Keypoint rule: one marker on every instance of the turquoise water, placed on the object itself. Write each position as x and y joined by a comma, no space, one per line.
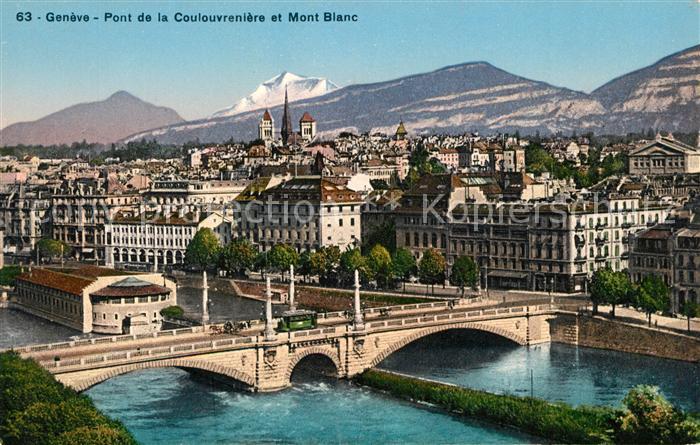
168,406
559,372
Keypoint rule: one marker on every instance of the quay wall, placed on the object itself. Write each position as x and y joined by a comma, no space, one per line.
601,333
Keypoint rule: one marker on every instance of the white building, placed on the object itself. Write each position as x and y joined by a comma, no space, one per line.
152,241
306,212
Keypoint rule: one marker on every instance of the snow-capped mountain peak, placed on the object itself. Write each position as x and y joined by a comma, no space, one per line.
271,92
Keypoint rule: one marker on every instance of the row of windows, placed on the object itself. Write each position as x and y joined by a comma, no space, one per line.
136,300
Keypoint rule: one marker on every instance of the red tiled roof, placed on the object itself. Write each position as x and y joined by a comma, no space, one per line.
71,284
307,118
266,116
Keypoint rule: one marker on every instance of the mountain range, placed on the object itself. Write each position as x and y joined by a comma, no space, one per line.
473,96
479,96
271,93
109,120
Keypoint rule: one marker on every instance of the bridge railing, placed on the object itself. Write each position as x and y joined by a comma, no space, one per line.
462,315
115,358
110,339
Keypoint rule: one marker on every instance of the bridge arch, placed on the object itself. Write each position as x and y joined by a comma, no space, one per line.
386,352
201,365
314,350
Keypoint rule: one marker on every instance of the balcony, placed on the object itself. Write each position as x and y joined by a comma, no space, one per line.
579,241
600,241
601,226
580,227
626,225
580,259
626,239
625,255
600,258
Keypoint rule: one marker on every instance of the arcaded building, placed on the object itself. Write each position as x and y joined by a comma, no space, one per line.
96,299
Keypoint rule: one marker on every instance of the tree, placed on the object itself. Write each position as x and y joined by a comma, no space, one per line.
404,265
237,256
325,262
203,251
609,287
172,312
352,260
51,248
431,268
304,268
282,256
379,262
384,234
652,296
690,309
465,273
650,418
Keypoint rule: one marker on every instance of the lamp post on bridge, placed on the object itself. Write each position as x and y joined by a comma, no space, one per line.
269,329
357,322
292,304
205,299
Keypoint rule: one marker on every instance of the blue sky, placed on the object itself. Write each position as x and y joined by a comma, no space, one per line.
200,68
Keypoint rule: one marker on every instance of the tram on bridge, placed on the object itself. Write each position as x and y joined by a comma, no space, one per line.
297,321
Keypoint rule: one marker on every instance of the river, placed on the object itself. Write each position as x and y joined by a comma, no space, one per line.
169,406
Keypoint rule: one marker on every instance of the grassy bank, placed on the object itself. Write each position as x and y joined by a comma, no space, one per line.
35,409
647,419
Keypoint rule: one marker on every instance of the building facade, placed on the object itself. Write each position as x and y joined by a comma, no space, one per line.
664,156
306,212
96,299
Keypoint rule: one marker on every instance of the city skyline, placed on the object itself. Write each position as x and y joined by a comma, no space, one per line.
201,72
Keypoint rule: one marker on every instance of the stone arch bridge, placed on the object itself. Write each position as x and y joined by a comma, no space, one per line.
260,364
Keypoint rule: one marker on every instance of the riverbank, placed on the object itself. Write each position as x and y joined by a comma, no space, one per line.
656,422
37,409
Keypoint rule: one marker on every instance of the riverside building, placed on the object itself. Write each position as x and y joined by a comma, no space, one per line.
96,299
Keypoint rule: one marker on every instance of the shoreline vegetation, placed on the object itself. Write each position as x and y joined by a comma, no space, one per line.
36,409
647,417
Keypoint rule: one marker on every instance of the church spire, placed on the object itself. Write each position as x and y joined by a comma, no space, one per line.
286,120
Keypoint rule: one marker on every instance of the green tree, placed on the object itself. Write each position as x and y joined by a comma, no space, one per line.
404,265
609,287
172,312
237,256
690,309
465,273
379,262
51,248
282,256
351,260
652,296
384,234
650,418
325,262
203,251
431,268
304,268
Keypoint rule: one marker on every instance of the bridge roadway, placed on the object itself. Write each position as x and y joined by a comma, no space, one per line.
263,364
